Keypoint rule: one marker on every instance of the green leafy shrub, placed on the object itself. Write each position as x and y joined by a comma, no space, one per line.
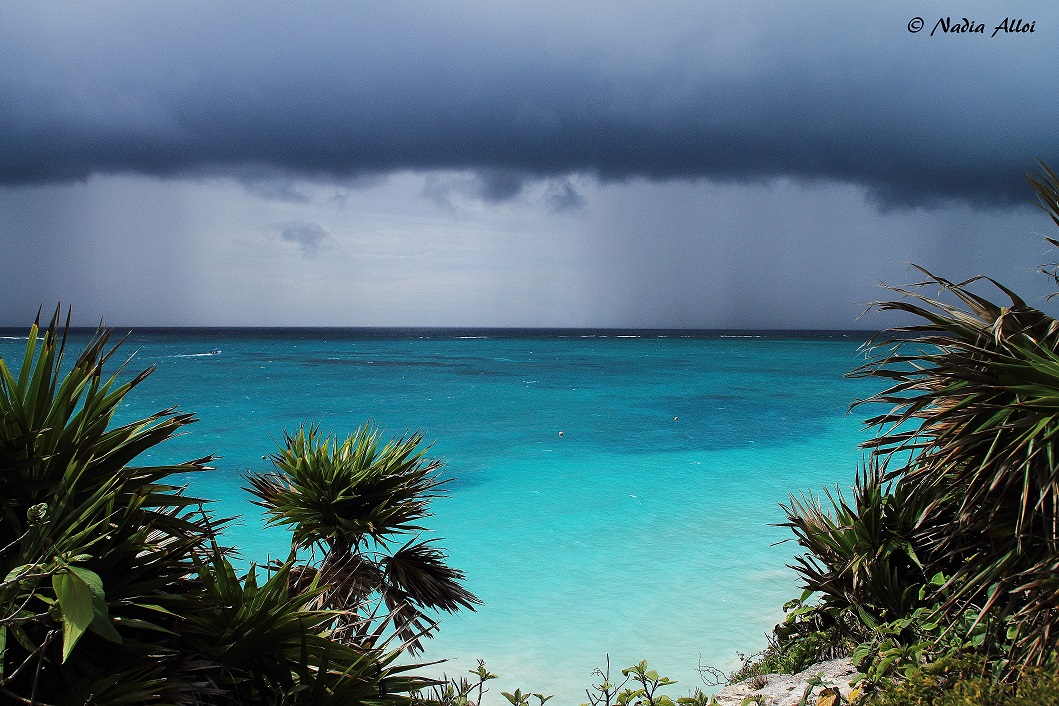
976,401
862,556
962,680
645,684
96,552
459,692
960,483
114,588
807,635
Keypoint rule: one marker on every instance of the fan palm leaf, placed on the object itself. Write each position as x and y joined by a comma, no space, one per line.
351,500
270,646
335,493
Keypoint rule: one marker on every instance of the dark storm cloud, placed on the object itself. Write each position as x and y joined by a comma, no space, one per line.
489,186
497,186
309,237
276,190
671,92
562,196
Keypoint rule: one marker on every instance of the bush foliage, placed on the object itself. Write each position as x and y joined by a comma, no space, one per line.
947,555
116,591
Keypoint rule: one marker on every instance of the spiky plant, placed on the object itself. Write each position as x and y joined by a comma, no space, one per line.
112,587
92,547
355,501
861,556
973,434
274,647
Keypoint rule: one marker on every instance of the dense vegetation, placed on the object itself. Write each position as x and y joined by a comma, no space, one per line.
948,551
116,590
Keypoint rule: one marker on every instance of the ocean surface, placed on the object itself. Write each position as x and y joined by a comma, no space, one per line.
643,531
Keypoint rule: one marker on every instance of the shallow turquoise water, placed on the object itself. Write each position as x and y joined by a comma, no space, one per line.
642,532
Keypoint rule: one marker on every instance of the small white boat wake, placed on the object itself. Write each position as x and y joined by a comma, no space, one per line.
215,351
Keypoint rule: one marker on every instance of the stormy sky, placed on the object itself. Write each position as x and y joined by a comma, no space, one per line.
680,164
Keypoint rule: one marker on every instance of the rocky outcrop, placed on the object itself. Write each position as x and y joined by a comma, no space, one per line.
788,689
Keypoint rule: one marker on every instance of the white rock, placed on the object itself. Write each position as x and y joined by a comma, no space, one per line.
788,689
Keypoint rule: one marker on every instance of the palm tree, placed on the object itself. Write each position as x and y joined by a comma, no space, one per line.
972,435
113,589
357,503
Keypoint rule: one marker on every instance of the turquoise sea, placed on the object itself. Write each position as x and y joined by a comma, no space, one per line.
642,532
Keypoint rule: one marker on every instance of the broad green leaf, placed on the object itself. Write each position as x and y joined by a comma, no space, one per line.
75,599
101,623
91,579
156,608
16,572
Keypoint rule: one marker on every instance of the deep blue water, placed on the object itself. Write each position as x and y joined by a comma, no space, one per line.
643,531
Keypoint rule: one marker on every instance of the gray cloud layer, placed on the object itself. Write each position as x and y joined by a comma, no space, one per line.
320,91
309,237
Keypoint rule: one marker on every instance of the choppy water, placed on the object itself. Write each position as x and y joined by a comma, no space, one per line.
642,532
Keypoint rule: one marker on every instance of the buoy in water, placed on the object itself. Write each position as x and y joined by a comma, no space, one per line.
560,433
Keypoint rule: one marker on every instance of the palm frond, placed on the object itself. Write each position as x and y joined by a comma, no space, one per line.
861,555
352,499
113,588
332,493
418,570
974,410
